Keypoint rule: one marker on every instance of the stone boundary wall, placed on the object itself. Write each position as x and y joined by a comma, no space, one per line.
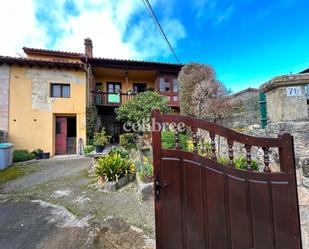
249,115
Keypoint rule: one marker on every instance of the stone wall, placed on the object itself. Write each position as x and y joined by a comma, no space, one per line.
248,114
4,97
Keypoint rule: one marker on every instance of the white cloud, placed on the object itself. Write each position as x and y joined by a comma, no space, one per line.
19,27
215,11
108,23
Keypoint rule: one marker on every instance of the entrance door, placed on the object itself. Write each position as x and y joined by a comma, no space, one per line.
61,135
203,204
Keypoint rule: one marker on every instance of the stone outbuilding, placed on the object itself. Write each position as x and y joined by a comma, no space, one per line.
287,98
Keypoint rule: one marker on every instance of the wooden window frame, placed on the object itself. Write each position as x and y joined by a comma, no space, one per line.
61,90
113,83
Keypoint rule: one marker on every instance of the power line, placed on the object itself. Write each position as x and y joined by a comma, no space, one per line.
156,21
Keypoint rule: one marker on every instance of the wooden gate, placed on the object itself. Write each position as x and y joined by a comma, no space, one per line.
202,204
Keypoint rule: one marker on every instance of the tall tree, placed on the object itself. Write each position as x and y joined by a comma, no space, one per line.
190,76
202,95
140,107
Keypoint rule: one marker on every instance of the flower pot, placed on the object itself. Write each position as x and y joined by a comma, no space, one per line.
45,155
39,156
99,148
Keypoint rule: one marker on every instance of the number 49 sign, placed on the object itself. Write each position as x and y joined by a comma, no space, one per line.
293,91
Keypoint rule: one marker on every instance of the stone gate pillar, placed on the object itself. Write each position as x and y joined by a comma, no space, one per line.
287,98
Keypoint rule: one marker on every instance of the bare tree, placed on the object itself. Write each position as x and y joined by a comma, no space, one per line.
211,101
190,76
202,95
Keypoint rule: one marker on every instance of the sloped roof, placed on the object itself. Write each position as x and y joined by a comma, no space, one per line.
134,64
249,89
65,54
305,71
40,62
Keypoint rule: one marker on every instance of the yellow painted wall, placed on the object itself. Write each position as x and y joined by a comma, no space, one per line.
32,111
105,75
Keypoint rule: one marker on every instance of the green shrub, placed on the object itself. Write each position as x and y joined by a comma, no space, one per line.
122,152
37,152
145,170
88,149
22,155
112,167
100,138
223,160
241,163
128,141
168,140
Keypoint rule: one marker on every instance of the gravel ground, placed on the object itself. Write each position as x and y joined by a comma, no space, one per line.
114,220
53,168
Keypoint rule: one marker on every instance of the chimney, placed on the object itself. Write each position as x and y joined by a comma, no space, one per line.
88,47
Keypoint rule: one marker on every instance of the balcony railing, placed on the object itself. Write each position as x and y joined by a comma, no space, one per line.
173,98
111,99
116,99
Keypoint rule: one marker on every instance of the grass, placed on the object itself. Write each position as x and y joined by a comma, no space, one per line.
15,171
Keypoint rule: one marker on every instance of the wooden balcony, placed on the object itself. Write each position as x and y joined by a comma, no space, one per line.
173,98
116,99
111,99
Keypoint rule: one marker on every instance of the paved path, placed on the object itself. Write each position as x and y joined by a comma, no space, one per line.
80,217
53,168
29,225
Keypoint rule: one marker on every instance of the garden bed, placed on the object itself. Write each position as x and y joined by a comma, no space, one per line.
145,189
113,186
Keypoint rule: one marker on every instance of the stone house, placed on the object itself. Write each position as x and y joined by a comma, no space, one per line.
44,96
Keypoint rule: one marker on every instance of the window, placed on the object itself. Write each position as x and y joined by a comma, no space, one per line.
113,87
307,91
175,86
60,91
165,85
162,85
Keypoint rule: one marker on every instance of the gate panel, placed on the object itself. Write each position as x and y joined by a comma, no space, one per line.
202,204
240,222
171,205
284,233
261,215
217,227
194,209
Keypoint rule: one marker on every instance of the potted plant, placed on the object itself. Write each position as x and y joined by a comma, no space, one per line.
45,155
38,153
100,140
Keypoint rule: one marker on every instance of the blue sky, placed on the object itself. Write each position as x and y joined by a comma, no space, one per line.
246,41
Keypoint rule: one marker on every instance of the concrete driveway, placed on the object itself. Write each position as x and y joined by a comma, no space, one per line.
58,206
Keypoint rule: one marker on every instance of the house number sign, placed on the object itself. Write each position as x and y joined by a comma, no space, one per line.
293,91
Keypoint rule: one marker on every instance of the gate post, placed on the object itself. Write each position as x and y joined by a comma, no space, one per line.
157,164
287,164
